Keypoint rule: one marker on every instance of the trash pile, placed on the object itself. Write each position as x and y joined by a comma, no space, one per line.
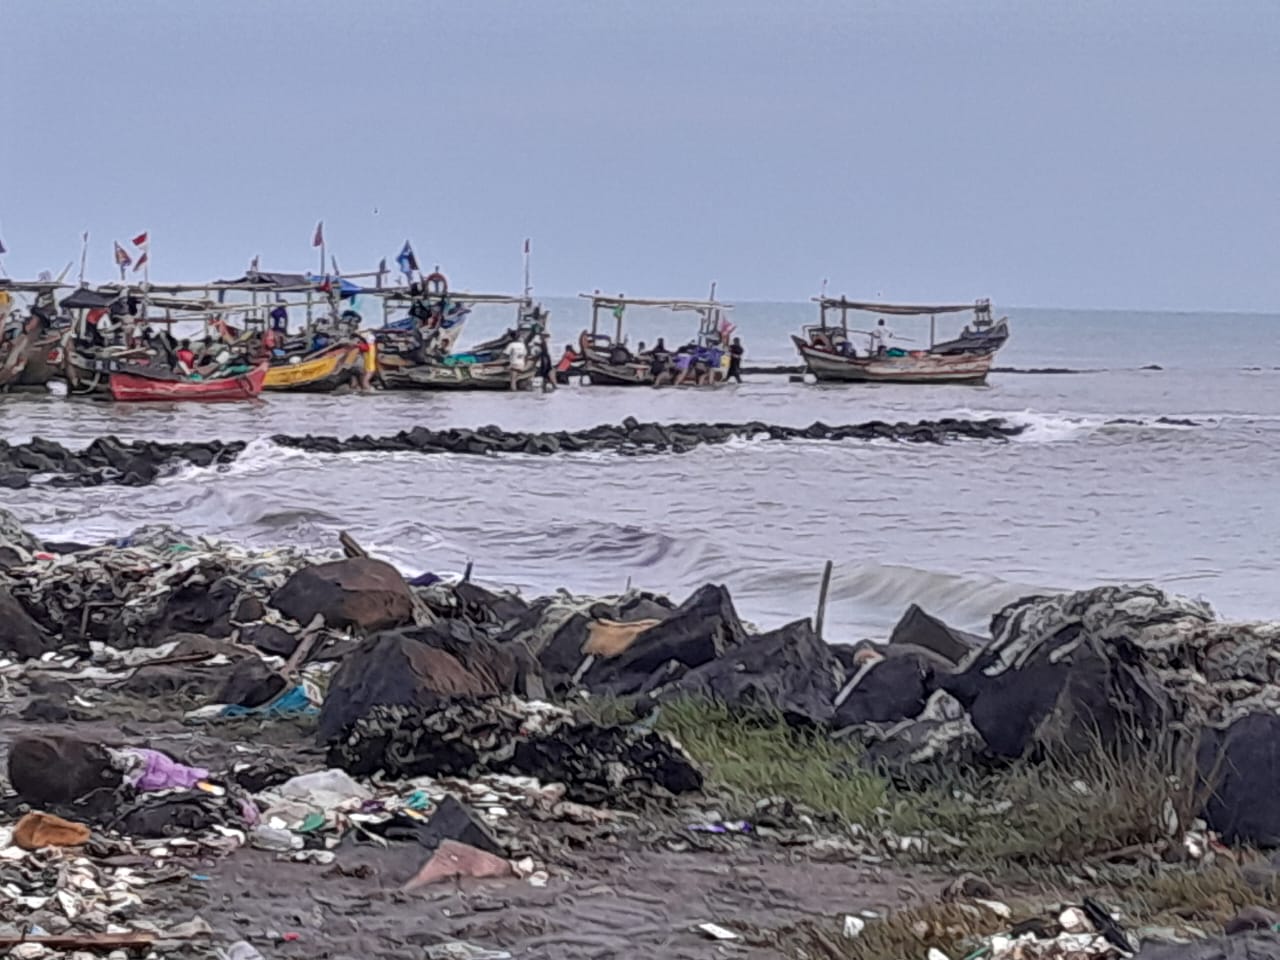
450,717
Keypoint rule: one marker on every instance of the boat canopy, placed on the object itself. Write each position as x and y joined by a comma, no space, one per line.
87,299
899,309
605,300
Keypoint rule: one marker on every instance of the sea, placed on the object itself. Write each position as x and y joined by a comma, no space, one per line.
1095,491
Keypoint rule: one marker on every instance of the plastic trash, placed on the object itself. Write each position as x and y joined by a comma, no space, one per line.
240,951
458,950
159,771
323,790
276,839
717,932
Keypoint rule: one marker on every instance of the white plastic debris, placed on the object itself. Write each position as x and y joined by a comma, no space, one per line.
717,932
853,926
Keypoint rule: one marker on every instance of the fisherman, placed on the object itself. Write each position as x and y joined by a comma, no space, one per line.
566,363
880,337
516,353
544,365
735,361
186,359
368,360
659,359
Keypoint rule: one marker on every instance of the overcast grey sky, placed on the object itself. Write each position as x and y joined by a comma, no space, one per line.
1084,153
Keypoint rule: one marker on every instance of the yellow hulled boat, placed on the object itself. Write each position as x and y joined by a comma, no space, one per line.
320,373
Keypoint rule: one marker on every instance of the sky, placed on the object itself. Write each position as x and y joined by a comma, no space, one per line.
1097,153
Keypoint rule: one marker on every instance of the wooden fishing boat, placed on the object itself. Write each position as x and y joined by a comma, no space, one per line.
832,357
459,372
485,367
322,372
608,361
30,352
139,385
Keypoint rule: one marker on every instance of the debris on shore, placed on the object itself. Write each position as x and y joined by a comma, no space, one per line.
319,708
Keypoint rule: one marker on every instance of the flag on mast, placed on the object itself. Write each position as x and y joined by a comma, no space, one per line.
122,258
406,260
3,248
143,243
318,239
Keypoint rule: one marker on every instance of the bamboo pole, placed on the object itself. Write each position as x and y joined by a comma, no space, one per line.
821,616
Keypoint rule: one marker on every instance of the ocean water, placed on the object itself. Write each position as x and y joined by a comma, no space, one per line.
961,529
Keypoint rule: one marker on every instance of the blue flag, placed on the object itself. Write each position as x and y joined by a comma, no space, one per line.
407,261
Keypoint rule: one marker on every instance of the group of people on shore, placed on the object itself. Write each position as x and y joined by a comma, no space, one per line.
692,364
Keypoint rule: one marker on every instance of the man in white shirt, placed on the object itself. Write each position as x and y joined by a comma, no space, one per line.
517,353
880,337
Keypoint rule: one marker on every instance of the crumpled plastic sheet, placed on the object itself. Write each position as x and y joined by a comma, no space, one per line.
153,770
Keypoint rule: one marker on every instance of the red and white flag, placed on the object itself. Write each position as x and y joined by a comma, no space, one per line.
318,239
122,256
143,243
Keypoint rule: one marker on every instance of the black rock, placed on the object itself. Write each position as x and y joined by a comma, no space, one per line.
1240,770
701,629
251,684
20,635
922,630
788,671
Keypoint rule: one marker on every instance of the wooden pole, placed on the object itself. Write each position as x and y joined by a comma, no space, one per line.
822,600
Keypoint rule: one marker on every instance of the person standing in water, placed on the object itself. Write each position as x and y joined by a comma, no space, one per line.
735,361
544,365
517,353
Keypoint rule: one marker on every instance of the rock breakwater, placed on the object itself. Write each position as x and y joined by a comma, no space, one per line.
108,460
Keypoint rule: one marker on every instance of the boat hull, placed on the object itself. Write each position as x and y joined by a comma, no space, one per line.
495,375
829,367
140,388
322,374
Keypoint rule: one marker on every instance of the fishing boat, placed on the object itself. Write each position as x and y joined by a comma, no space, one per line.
142,385
832,357
607,359
30,351
484,367
321,372
431,327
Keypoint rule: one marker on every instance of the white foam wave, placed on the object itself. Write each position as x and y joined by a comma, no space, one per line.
966,601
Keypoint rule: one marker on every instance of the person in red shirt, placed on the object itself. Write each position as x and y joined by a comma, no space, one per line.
186,359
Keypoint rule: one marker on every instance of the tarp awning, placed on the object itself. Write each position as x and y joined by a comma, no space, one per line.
895,309
86,299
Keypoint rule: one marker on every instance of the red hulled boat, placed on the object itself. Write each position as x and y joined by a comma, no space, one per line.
139,385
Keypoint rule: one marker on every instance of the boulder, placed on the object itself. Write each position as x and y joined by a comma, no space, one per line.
922,630
426,668
360,593
1240,770
890,684
57,771
20,636
270,639
701,629
251,683
788,671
